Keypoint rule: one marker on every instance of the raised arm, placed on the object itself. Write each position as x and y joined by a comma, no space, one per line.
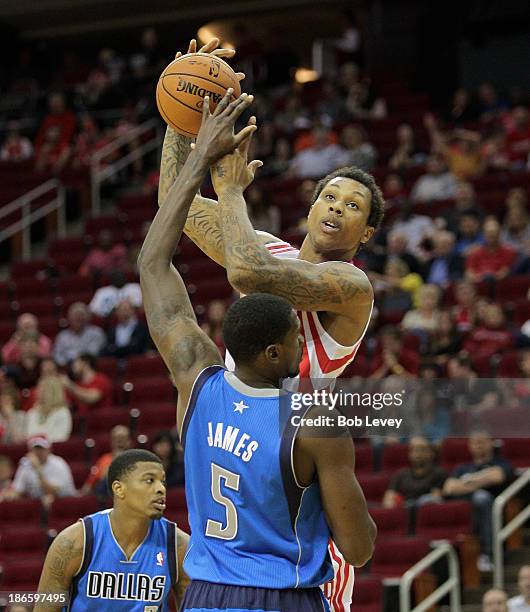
333,457
62,563
185,348
202,224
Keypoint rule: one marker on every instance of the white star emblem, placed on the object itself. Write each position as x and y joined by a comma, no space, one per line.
239,406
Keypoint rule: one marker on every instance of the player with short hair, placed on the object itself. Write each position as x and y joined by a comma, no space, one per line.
125,558
334,299
262,494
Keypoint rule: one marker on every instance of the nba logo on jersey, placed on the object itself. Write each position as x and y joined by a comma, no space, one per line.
151,609
160,558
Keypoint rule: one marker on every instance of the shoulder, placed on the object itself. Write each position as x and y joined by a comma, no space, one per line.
348,273
58,462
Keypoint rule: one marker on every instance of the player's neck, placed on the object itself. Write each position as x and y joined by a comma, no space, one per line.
128,529
309,253
254,379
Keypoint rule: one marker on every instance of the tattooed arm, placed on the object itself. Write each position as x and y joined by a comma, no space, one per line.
183,580
185,348
62,563
332,286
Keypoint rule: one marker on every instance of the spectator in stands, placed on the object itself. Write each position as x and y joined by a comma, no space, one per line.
41,474
518,138
407,154
262,213
436,184
6,474
434,415
490,105
48,369
470,234
129,336
516,230
394,189
52,144
416,228
279,163
521,602
394,357
362,102
357,151
26,323
426,318
105,257
492,337
11,417
172,457
87,142
331,108
91,389
120,441
480,481
107,298
516,198
422,482
396,297
461,109
26,372
16,148
494,259
294,116
398,246
447,340
213,325
446,265
319,159
495,600
79,337
50,415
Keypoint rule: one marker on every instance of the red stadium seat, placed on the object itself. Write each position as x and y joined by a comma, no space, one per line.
364,459
23,269
80,471
374,486
143,366
102,420
14,451
39,306
444,521
20,512
391,521
512,288
454,451
72,449
151,390
395,457
509,365
109,366
25,289
368,594
21,575
66,510
154,417
176,499
394,556
517,451
23,542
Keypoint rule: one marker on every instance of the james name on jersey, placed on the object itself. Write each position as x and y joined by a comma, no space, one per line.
231,440
108,585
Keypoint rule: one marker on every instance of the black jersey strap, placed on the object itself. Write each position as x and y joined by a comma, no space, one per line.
172,555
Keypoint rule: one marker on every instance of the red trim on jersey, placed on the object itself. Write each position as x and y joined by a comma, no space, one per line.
326,364
337,585
345,571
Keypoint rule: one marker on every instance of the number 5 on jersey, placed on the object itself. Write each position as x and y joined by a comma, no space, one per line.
215,529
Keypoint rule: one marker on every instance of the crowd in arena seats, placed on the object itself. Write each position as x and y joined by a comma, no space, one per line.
449,268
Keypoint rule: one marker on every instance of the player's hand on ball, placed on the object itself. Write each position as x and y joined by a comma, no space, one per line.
211,48
216,137
233,169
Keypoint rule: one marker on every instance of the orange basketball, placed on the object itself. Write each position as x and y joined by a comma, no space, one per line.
184,84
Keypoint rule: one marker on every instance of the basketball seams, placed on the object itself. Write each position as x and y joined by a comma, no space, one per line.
166,117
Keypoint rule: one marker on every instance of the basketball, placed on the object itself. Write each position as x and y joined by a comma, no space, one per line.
184,84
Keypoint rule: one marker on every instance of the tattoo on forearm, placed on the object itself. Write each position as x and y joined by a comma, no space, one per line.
203,227
175,151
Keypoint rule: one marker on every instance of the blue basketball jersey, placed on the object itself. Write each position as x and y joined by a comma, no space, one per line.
251,524
108,580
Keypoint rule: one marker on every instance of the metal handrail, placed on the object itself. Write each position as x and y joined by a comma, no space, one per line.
500,533
29,217
98,174
452,584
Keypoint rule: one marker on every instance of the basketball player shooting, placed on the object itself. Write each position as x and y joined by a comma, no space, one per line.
334,299
127,558
263,495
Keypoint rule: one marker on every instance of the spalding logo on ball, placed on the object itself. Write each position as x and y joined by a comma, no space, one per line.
183,85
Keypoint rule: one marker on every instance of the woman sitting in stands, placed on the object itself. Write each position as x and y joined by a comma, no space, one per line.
50,415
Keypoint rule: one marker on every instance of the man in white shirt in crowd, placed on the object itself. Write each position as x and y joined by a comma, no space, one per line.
521,603
80,337
107,298
494,600
41,474
436,184
320,158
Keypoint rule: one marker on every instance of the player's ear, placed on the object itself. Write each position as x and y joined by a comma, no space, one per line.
118,489
272,352
368,233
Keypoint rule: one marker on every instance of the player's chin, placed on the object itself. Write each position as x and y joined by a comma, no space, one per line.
155,514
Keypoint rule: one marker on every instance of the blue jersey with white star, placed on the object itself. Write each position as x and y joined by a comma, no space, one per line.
251,524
